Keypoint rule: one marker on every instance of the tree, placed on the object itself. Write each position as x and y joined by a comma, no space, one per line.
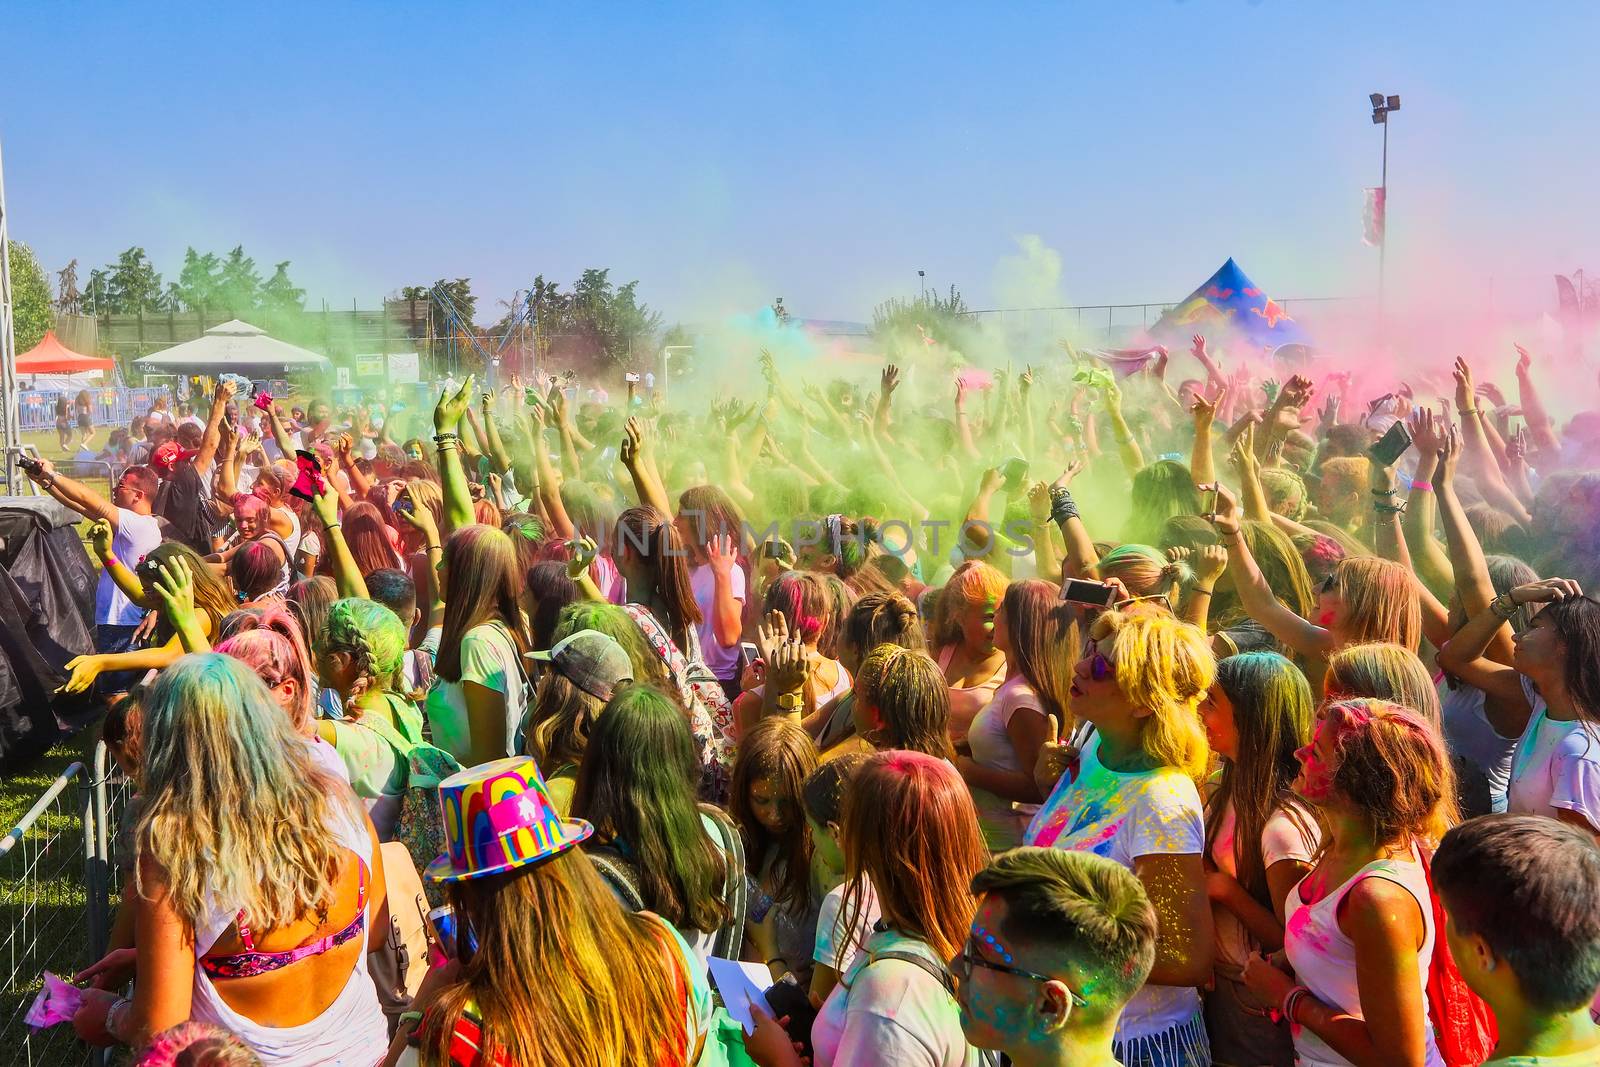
133,283
239,288
200,281
898,323
279,296
30,297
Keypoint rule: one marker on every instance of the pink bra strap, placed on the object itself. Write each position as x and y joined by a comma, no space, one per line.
249,942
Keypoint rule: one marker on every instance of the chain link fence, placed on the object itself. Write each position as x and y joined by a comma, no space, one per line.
58,881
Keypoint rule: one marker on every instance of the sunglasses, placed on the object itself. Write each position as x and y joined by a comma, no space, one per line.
970,958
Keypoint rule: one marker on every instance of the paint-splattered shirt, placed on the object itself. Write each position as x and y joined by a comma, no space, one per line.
1123,816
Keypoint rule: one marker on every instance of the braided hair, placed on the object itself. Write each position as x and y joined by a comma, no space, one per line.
373,637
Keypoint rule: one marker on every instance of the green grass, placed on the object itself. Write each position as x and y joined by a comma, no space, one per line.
56,932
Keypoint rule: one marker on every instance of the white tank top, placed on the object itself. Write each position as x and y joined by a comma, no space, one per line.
1324,958
351,1031
293,540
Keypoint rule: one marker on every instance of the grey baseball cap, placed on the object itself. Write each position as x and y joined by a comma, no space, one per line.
590,660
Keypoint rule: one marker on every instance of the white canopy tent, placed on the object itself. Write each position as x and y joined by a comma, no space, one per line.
236,347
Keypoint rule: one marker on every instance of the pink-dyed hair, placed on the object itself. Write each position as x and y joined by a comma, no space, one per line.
248,505
195,1044
269,642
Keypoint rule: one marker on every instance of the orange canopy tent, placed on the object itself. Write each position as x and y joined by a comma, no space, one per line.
50,356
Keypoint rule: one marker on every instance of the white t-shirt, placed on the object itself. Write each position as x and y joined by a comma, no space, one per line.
489,658
724,662
837,944
1123,816
1281,839
135,536
1002,822
890,1013
1556,765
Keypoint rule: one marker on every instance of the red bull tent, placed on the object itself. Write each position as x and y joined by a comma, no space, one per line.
1229,307
50,356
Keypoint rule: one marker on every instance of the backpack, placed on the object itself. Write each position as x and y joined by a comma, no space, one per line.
623,877
1463,1024
939,973
420,826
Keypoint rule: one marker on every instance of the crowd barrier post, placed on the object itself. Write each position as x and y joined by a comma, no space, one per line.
42,908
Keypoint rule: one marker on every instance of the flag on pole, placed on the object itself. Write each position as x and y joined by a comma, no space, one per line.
1372,218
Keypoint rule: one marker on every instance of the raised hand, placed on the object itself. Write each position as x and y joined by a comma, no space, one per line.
174,584
1548,591
1074,469
993,479
1226,517
1524,361
1197,345
788,667
1054,760
326,505
100,535
581,553
1428,431
452,407
1449,453
1204,409
888,381
1465,393
720,555
1039,502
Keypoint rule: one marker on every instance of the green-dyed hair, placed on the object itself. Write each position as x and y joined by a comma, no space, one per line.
1273,716
615,622
373,635
1161,490
637,785
1092,908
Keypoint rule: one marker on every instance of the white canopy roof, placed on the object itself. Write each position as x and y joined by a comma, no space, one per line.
233,345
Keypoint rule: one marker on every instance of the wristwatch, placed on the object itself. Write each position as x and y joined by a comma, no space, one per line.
790,701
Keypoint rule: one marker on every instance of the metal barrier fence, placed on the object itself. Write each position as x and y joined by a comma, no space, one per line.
111,406
58,879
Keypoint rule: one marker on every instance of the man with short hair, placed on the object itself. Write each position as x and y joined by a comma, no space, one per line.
1059,943
134,532
1522,895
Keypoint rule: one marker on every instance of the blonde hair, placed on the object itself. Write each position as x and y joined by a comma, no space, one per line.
1165,666
974,584
427,494
1380,602
1384,671
253,829
1145,571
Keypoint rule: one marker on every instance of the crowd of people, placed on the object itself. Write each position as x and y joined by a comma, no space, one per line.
1084,718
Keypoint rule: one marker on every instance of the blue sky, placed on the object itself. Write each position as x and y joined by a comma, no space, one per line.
727,153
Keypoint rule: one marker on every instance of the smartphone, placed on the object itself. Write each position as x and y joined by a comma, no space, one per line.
1208,501
32,466
308,485
748,653
1391,445
630,377
1016,473
404,506
1081,591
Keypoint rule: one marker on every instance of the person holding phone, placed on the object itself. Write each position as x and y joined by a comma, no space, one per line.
135,533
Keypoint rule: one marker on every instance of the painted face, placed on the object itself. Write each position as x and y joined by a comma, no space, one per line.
1216,713
825,844
1095,693
1330,607
248,524
414,451
977,624
771,808
1318,762
1005,1002
1539,651
125,495
1002,632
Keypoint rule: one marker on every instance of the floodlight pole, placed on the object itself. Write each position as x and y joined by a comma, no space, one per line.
10,436
1383,243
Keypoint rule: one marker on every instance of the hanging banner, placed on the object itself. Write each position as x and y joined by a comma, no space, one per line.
1373,218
